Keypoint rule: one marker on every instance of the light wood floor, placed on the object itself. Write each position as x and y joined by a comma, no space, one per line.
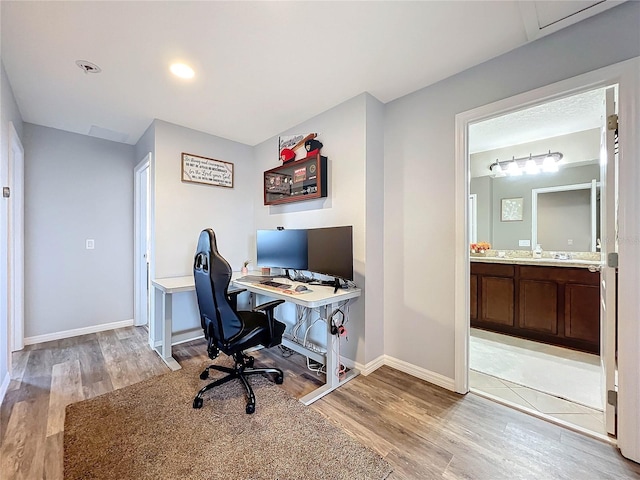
423,431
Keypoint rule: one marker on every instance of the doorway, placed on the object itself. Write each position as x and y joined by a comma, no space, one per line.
15,243
549,380
142,244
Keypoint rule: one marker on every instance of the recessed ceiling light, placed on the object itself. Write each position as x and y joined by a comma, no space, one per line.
181,70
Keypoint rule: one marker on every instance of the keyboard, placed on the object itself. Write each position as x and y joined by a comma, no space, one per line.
270,283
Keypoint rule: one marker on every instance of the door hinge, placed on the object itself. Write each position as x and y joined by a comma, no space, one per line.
612,122
612,398
612,260
6,192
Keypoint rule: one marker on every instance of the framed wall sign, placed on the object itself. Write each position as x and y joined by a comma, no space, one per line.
208,171
511,210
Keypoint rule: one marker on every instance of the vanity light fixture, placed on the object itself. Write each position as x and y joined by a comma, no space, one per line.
533,164
181,70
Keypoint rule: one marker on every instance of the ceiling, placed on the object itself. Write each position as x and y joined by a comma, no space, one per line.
261,67
583,111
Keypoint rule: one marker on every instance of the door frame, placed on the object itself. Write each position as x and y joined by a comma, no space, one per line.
627,76
141,297
15,246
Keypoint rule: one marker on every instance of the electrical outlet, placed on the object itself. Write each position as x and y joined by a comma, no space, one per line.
570,241
524,243
91,244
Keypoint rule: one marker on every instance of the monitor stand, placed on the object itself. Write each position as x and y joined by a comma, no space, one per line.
335,283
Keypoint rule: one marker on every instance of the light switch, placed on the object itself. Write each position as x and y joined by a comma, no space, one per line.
91,244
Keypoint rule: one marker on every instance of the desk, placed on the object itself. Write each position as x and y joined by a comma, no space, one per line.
319,297
166,287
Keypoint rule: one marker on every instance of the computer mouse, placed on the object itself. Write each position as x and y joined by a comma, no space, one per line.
301,288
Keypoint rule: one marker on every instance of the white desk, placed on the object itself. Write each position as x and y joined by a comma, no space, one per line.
319,296
167,287
322,297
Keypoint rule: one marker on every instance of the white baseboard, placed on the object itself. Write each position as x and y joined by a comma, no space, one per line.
76,332
426,375
4,386
372,366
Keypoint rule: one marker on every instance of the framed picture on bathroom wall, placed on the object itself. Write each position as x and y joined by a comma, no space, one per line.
511,209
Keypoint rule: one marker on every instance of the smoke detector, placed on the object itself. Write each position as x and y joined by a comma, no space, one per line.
88,67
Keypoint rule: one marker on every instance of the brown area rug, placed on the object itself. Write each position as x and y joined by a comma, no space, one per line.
150,430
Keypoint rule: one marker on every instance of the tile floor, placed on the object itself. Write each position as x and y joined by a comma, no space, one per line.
487,376
512,393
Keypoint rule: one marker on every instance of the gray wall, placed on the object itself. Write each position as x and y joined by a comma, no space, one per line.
8,113
563,216
351,201
182,210
419,174
77,187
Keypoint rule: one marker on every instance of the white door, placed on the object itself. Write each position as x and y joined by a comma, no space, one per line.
15,244
141,274
609,242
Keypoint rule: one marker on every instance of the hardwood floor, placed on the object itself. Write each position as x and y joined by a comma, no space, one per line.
422,430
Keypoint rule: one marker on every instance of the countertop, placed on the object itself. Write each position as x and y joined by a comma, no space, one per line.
542,262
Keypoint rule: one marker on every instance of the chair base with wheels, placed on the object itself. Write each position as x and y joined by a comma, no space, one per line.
243,367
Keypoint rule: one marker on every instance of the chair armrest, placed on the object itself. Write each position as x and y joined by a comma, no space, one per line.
233,297
268,308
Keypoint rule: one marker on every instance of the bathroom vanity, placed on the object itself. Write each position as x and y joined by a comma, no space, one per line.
546,300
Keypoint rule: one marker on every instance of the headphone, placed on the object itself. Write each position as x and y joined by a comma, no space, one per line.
338,329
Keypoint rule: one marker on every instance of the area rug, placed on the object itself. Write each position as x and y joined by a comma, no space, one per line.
150,431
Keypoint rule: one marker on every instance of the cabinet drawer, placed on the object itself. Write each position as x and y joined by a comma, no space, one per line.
560,274
493,269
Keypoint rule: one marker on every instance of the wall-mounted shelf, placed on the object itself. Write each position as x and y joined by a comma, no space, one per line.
304,179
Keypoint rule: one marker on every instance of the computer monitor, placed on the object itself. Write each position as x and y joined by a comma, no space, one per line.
331,251
282,249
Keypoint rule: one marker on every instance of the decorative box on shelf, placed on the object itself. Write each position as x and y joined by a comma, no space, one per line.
295,181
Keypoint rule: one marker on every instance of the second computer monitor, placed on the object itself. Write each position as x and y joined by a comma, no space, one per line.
282,249
331,251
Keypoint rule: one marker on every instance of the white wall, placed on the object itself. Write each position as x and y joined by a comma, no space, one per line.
346,135
76,188
419,174
182,210
8,113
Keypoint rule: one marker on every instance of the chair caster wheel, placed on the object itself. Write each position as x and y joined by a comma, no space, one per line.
197,402
250,408
204,375
279,379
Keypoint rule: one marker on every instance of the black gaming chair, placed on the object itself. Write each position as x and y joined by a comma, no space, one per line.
227,329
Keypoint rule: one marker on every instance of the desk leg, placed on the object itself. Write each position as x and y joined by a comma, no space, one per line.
333,378
167,323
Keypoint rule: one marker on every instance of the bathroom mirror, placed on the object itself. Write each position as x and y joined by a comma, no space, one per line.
560,210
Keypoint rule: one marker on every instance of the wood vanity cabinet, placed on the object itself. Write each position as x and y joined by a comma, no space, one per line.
555,305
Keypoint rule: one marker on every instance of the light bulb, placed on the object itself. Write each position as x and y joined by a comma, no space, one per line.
531,167
514,169
549,164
